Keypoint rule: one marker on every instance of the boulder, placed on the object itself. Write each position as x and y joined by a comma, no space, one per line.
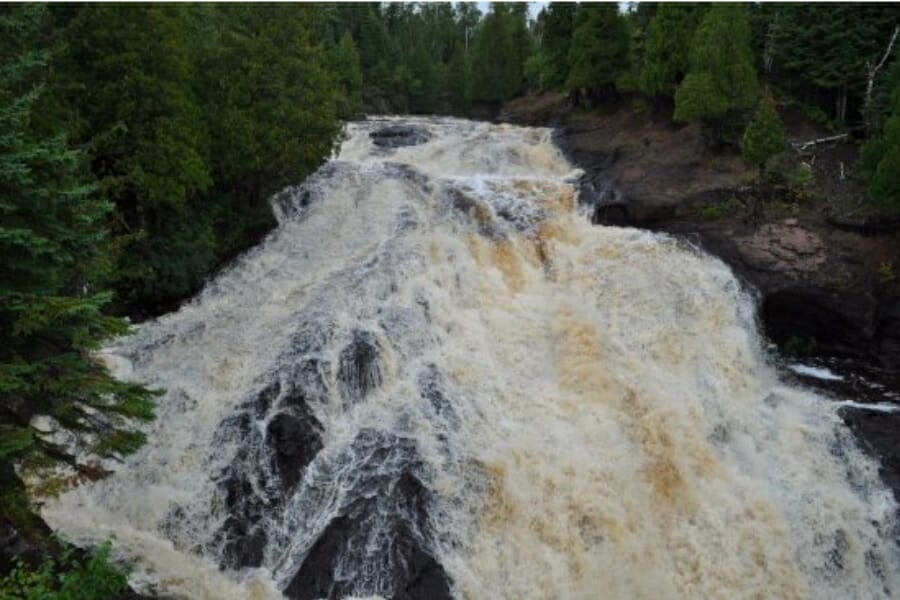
395,136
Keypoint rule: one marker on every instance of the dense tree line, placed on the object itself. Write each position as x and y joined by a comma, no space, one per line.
718,64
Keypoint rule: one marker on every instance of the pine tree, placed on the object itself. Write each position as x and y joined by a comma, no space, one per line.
270,103
820,52
599,50
344,63
721,80
497,55
764,136
458,80
52,237
880,161
667,51
128,76
557,22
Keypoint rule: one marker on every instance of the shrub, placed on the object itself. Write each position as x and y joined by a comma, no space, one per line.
67,579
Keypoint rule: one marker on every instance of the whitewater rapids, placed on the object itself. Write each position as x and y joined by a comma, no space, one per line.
437,356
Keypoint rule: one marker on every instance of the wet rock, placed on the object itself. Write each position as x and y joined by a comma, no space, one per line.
836,324
359,368
382,530
395,136
266,469
295,438
606,202
877,432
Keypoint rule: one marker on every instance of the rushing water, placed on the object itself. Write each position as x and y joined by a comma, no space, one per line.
436,373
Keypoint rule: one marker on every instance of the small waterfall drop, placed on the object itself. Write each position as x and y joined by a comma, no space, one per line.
436,378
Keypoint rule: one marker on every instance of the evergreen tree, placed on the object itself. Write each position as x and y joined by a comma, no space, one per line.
667,51
346,67
458,80
128,76
598,53
880,161
721,81
52,236
820,52
271,120
764,136
497,55
557,23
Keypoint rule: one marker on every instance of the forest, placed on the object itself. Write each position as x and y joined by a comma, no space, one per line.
140,145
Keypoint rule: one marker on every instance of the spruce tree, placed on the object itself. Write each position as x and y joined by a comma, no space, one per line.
599,50
880,161
667,50
458,80
497,55
128,75
346,69
721,80
764,136
557,21
52,237
821,52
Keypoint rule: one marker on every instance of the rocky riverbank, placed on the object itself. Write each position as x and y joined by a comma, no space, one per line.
826,269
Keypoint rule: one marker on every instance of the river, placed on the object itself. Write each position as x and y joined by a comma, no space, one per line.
437,379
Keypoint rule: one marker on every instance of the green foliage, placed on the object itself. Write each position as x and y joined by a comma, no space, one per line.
598,54
699,99
500,49
820,52
880,161
67,579
711,212
667,50
53,237
764,136
557,22
15,441
346,67
721,79
193,116
886,273
458,80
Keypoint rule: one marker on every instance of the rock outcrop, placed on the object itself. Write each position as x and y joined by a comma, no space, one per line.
395,136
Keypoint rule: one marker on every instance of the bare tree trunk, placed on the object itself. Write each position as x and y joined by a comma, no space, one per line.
769,48
873,72
841,108
801,146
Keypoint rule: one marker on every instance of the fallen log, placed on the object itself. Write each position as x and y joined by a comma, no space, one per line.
801,146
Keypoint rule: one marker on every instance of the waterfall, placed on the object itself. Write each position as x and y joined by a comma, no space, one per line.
437,379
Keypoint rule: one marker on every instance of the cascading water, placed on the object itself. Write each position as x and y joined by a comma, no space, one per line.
437,378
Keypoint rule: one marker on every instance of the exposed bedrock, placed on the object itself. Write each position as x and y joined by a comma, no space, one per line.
395,136
374,538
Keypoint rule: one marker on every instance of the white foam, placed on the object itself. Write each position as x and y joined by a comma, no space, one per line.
816,372
612,426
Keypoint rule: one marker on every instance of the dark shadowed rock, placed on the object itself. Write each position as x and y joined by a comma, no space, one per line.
877,432
295,437
395,136
265,469
383,528
359,369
